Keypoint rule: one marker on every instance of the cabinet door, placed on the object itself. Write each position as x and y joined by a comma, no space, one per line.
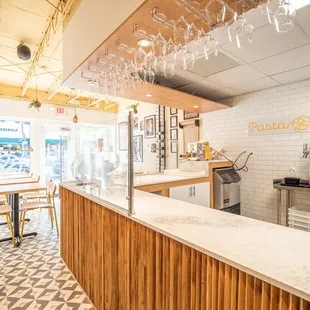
183,193
201,194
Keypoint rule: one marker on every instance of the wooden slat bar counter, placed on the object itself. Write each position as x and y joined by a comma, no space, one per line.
144,261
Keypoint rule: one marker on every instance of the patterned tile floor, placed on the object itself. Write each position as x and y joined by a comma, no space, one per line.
33,276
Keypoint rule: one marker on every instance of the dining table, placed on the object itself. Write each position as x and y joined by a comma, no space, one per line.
12,192
5,176
17,181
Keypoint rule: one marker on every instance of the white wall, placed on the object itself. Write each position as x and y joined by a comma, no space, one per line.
150,161
172,157
273,154
41,121
91,24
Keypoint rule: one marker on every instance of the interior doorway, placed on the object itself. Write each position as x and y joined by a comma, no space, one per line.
57,158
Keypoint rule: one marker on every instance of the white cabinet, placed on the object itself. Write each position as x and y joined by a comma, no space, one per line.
196,193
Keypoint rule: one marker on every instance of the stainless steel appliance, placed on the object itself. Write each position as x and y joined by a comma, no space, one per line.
226,190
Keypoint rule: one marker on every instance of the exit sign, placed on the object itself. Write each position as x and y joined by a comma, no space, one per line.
60,111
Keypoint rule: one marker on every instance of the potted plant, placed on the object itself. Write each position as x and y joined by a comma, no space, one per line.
134,107
35,102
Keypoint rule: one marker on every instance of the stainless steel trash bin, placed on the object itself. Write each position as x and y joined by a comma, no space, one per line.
226,190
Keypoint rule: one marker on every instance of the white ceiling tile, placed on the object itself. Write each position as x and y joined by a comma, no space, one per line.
293,75
214,64
251,86
255,18
225,93
292,59
268,42
235,76
221,35
303,19
209,85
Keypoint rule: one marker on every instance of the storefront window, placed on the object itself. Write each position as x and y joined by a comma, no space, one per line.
14,146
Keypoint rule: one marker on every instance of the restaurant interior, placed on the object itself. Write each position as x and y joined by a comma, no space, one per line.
154,154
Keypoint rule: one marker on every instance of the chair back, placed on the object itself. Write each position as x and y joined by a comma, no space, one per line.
37,177
51,191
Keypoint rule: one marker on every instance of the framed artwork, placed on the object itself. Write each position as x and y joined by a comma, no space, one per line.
138,148
150,127
123,136
173,121
173,111
173,147
174,134
135,123
189,115
141,125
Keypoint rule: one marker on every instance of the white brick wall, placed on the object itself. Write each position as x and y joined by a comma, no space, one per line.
273,154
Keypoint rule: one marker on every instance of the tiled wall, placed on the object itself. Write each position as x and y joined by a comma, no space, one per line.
274,155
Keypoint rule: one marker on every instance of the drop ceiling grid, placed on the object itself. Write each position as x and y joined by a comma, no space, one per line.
268,79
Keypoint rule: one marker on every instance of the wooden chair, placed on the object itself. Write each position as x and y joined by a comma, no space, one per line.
5,210
35,195
49,204
3,200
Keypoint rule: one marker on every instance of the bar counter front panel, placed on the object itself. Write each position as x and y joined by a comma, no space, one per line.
122,264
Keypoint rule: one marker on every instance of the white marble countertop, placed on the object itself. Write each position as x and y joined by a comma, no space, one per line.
276,254
150,179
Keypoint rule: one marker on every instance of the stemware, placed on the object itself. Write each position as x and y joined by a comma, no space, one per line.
188,59
217,6
140,57
210,46
271,7
242,31
284,16
181,29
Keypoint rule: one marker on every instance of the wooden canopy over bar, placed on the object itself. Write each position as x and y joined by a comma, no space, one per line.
124,34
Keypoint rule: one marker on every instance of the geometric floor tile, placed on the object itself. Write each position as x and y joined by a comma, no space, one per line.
33,276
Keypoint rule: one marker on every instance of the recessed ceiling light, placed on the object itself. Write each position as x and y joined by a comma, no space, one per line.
196,106
144,43
148,95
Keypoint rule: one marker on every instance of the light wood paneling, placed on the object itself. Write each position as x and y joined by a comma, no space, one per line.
142,17
122,264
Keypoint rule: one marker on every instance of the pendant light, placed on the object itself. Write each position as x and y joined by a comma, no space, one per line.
75,117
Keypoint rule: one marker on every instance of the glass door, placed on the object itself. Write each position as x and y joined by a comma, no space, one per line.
57,160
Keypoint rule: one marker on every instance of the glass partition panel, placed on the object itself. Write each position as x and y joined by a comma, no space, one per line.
97,167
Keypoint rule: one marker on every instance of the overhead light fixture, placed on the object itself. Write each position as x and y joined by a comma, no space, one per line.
148,95
23,52
196,106
144,43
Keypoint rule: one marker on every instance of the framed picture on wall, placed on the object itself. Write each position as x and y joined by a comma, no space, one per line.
141,125
173,147
135,123
150,127
189,115
123,136
174,134
173,121
173,111
138,148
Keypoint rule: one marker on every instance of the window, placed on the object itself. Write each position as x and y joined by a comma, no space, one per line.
14,146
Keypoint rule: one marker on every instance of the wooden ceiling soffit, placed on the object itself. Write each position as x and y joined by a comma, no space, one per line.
59,99
172,98
142,18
